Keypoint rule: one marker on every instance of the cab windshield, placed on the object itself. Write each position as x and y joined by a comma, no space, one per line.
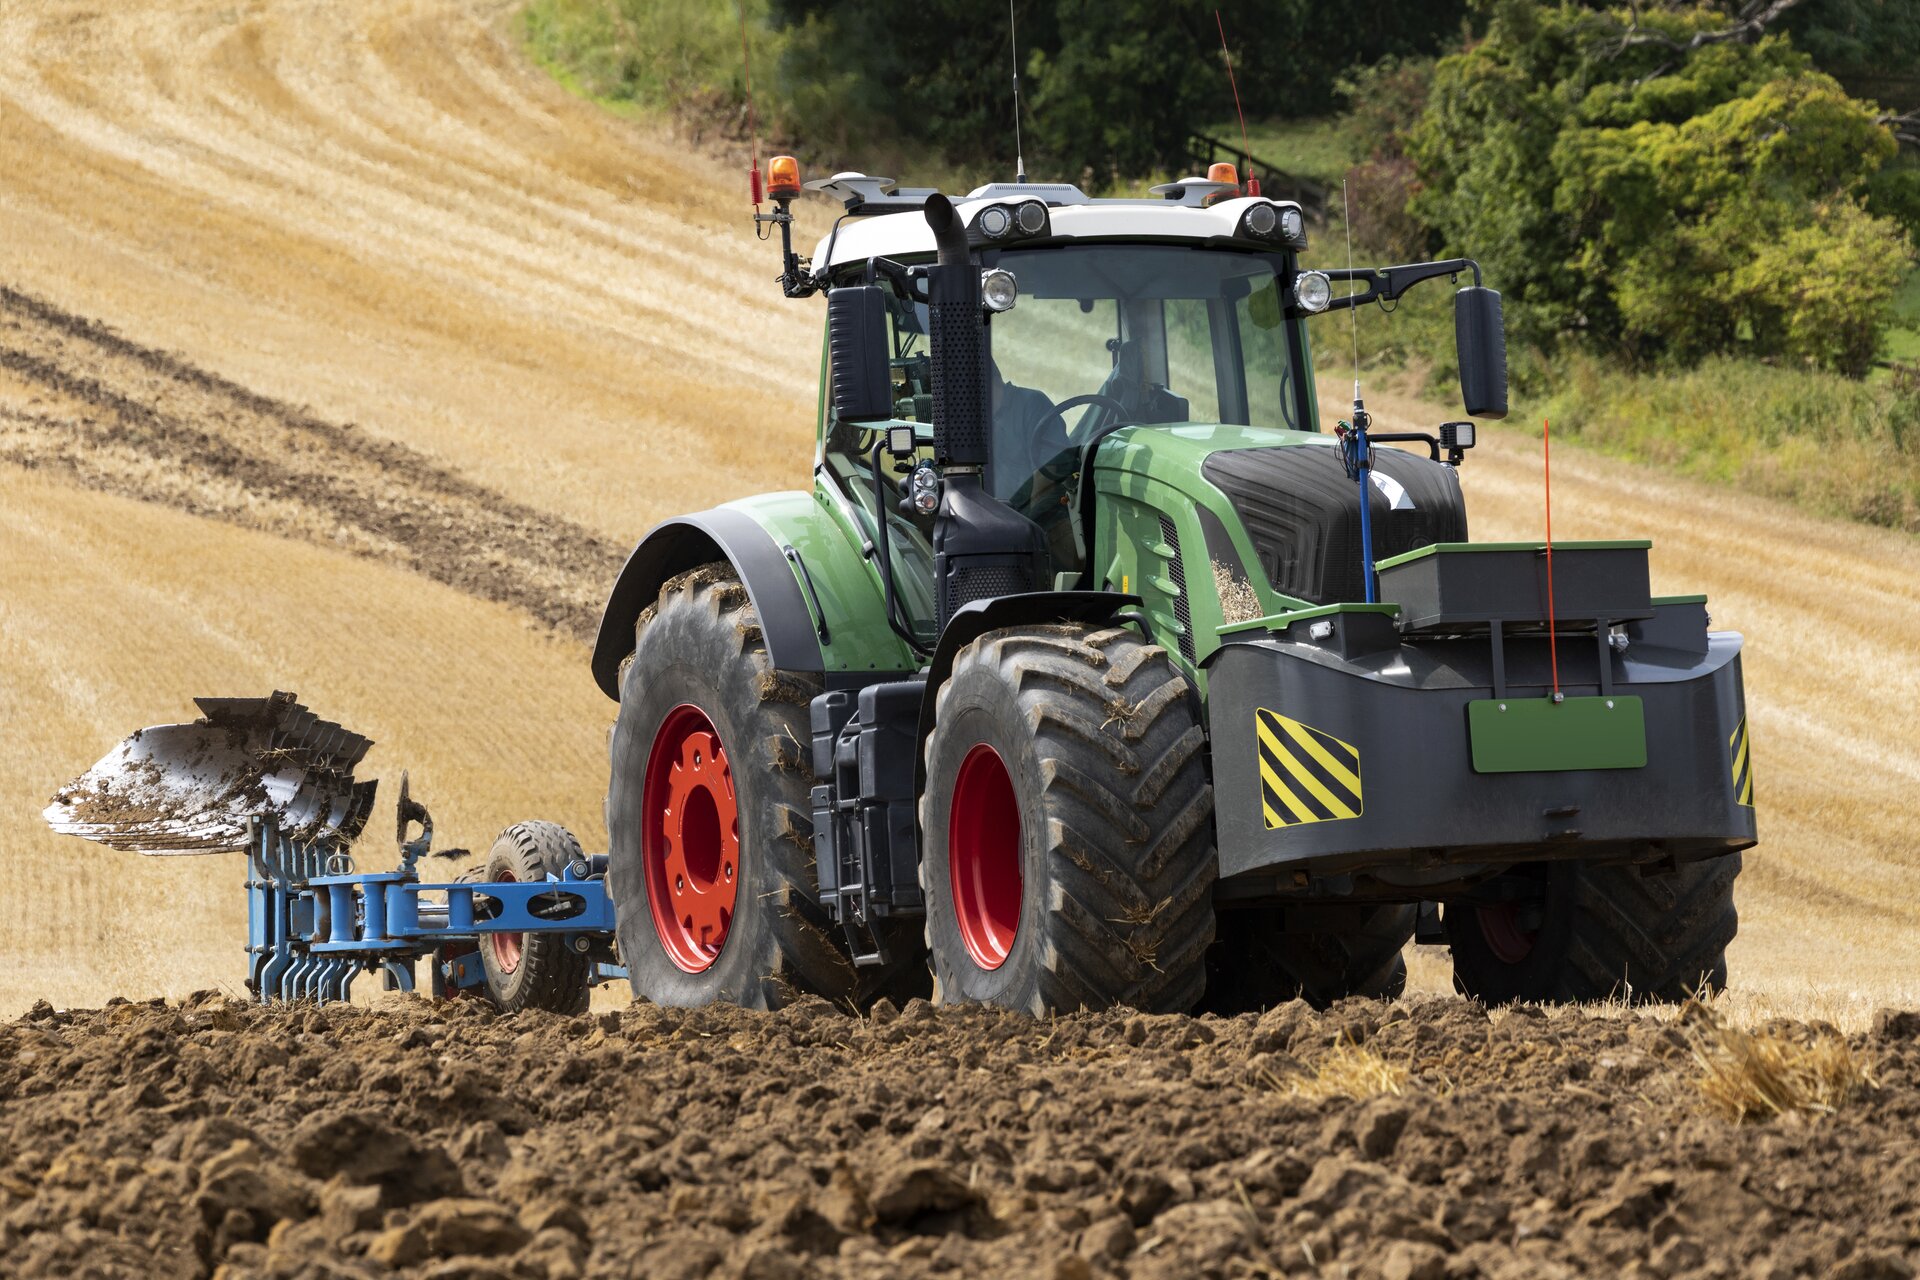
1100,335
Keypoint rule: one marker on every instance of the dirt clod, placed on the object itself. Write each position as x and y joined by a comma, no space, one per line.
727,1144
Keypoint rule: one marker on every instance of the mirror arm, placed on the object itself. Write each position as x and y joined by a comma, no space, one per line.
1407,437
1386,284
909,282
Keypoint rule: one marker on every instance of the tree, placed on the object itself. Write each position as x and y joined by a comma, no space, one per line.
1667,205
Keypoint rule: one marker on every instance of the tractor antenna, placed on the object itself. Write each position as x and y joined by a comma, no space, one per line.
1246,154
1019,153
1356,452
753,128
1353,313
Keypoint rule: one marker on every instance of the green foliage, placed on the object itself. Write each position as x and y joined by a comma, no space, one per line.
660,54
1871,46
1827,442
862,75
1320,149
1119,97
1661,205
1114,89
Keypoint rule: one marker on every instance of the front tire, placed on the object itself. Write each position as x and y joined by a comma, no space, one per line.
1067,826
710,843
1598,933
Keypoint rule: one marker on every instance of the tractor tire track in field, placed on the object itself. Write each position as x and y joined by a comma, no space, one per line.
124,418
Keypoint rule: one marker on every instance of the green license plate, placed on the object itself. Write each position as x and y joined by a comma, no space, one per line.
1539,735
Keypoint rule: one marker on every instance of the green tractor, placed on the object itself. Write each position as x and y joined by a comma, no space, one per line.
1092,672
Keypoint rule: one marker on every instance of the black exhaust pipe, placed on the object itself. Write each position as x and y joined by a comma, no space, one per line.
957,337
982,548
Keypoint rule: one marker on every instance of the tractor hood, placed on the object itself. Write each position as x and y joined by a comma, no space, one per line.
1281,504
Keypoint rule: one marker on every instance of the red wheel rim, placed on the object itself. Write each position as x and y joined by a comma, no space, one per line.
507,947
1506,934
983,857
691,839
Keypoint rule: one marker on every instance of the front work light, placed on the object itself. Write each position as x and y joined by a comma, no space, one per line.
995,221
1262,219
923,489
998,289
1312,291
1032,217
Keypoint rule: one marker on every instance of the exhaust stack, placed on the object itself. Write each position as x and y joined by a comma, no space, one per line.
958,343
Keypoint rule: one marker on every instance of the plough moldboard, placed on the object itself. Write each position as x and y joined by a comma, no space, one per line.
266,777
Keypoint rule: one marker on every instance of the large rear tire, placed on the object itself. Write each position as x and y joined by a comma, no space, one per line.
533,971
1598,933
1317,953
710,842
1067,826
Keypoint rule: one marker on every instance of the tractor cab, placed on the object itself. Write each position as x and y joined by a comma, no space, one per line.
1096,316
1184,315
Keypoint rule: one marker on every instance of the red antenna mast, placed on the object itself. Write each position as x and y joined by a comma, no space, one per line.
1253,182
753,128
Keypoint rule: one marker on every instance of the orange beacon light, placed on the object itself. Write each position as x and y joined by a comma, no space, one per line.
783,178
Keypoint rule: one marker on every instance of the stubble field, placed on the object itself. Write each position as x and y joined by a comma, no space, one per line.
341,351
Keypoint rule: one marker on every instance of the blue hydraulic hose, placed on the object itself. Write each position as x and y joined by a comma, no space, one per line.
1363,465
1366,539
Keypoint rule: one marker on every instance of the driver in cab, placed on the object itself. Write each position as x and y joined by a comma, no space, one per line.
1021,417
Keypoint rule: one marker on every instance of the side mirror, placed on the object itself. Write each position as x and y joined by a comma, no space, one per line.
857,348
1480,340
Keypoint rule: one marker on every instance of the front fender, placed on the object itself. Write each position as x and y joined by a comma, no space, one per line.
1035,608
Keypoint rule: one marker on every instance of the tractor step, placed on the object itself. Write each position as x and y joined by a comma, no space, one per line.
866,830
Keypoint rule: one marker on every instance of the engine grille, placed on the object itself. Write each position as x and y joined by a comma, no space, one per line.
1302,515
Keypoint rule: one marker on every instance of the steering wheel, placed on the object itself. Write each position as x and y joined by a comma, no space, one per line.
1075,402
1056,470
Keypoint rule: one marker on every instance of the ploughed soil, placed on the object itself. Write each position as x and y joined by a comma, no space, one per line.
182,1139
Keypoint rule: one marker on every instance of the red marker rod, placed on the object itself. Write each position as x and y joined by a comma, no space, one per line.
1553,635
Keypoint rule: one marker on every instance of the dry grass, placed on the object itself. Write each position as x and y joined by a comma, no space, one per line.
1761,1075
1347,1070
383,213
1237,601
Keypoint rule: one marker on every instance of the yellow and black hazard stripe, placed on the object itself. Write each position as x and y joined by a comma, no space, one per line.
1305,775
1742,764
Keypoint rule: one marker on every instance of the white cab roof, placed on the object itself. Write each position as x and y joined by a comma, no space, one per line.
904,233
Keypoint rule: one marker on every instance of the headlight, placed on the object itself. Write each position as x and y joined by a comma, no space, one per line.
1262,219
1312,291
998,289
1033,218
923,487
995,221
